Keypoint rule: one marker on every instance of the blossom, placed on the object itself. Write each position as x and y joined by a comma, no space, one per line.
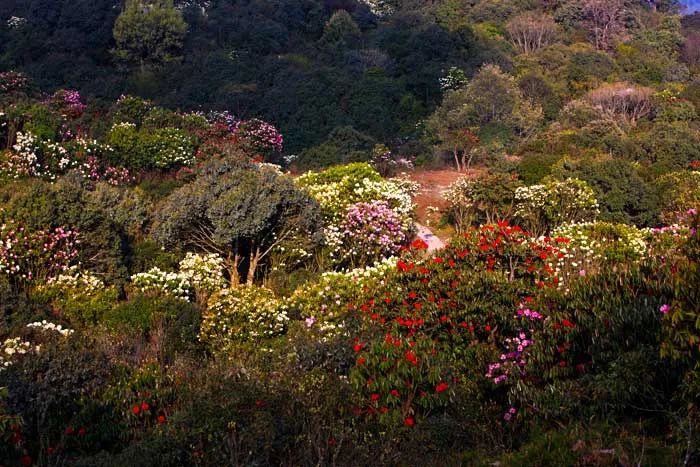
441,387
136,410
665,308
409,422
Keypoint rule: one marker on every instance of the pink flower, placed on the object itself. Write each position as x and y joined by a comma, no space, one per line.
665,308
310,321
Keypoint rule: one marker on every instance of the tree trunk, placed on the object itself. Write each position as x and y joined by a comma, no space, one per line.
254,260
232,262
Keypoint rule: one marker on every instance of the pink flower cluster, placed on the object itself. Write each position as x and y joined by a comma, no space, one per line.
259,135
69,102
374,228
528,313
92,170
511,363
27,256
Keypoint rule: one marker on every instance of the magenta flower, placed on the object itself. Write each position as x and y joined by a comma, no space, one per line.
665,308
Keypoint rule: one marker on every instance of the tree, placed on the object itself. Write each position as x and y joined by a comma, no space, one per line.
341,32
241,212
605,20
530,32
491,97
149,32
622,100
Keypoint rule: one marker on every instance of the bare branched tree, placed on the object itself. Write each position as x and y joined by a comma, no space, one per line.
605,20
530,32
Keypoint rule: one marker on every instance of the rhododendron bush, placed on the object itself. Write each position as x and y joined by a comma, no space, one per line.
35,255
367,217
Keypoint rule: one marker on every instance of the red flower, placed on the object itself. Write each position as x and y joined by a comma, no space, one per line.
412,295
562,363
361,361
442,387
26,461
384,410
419,244
145,407
69,430
259,404
82,431
487,328
332,441
161,419
50,450
395,393
409,421
438,260
136,410
568,324
411,357
374,396
357,347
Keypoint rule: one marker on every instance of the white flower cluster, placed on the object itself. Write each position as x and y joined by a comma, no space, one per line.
15,22
12,348
381,8
170,147
555,203
35,158
203,272
158,282
47,326
591,242
242,315
77,282
455,78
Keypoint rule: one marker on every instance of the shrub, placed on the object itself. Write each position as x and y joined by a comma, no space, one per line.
245,316
543,207
486,199
167,148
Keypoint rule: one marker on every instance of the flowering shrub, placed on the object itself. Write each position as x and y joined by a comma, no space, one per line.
11,349
11,81
476,200
594,242
448,315
169,147
28,256
388,164
52,327
34,158
324,303
370,231
245,315
68,102
203,272
337,188
258,136
544,207
160,283
680,316
76,281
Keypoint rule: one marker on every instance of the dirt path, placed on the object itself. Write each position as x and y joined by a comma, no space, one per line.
429,200
424,233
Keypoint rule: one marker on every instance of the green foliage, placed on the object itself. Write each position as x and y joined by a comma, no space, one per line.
343,145
149,33
246,315
238,212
